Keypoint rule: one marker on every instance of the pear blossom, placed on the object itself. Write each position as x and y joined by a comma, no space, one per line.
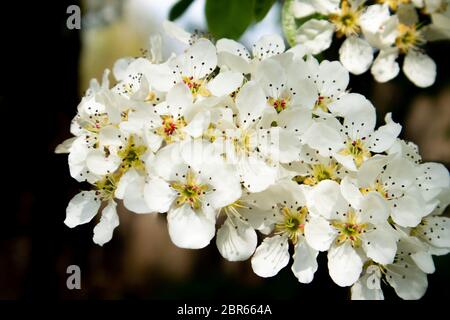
270,150
391,28
191,193
350,229
290,216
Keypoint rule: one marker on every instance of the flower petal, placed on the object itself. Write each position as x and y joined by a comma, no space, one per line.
385,67
190,229
236,240
109,220
356,55
316,35
305,262
344,264
158,195
319,233
419,68
82,208
271,256
225,83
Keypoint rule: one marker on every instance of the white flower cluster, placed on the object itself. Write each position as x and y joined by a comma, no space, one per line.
390,27
268,142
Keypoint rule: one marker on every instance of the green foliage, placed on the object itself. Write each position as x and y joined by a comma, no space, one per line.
262,7
179,8
229,18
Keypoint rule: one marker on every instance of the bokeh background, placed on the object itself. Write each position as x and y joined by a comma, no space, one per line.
46,68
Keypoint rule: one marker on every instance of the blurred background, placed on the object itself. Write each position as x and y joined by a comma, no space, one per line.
47,68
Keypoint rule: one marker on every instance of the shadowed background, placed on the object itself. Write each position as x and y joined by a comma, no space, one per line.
39,98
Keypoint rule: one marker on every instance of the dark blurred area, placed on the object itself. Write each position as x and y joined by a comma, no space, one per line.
40,88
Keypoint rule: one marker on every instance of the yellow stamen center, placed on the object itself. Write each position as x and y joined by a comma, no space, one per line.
190,192
347,21
293,223
408,38
357,150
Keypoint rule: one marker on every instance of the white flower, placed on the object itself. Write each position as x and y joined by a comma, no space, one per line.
290,216
352,142
391,28
191,193
395,181
406,274
350,229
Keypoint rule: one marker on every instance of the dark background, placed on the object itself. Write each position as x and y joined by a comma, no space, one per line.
38,97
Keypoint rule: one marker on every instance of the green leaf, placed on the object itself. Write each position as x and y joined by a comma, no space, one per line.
261,8
179,8
229,18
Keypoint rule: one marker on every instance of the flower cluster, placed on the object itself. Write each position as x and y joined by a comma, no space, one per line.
392,28
231,144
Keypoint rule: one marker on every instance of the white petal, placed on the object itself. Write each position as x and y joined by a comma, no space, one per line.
178,99
436,231
190,229
110,136
373,18
201,58
356,55
424,261
158,195
233,55
373,208
271,76
332,78
225,83
256,174
120,68
316,35
419,68
302,9
385,67
82,208
371,169
381,244
408,210
344,264
133,197
268,46
109,220
296,120
305,262
100,164
319,233
385,136
271,256
236,240
178,33
323,137
226,184
364,288
326,198
250,102
65,146
199,124
359,114
409,282
124,182
351,192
